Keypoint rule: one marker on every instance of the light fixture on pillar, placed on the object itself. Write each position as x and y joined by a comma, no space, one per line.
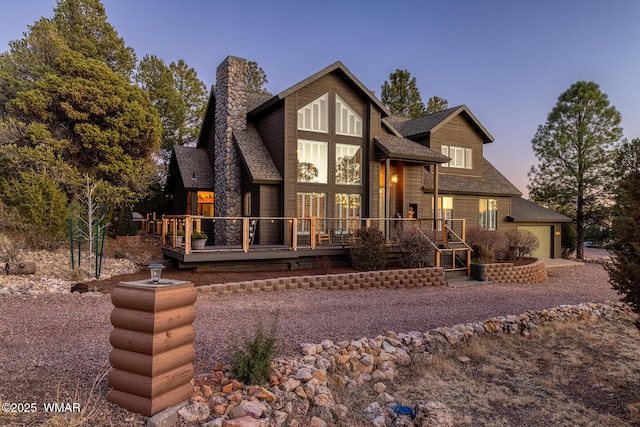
394,179
156,271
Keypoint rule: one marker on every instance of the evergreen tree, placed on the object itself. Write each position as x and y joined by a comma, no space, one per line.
436,104
194,99
256,78
157,79
93,119
574,148
401,95
83,24
624,269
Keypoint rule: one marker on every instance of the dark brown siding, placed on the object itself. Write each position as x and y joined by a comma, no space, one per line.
413,190
459,132
271,130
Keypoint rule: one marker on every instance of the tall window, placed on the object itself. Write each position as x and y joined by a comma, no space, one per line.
348,122
205,203
310,205
488,214
314,116
347,211
460,156
312,161
348,160
445,210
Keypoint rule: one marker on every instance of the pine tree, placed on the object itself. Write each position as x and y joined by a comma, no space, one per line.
401,95
574,149
624,269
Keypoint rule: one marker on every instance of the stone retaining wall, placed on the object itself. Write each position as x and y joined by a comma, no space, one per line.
508,273
300,386
402,278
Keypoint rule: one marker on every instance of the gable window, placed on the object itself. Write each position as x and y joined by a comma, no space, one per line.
460,156
348,122
312,161
348,161
488,214
314,116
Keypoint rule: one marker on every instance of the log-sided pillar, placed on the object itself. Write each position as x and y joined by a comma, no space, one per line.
152,339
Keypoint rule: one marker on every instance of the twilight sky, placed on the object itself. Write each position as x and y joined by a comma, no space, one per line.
508,61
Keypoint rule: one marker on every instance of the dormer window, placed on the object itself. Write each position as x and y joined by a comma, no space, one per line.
314,117
460,156
348,122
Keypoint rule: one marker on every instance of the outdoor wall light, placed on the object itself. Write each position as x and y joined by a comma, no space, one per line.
394,179
156,271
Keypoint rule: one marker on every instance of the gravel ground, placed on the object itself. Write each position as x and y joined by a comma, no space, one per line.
52,346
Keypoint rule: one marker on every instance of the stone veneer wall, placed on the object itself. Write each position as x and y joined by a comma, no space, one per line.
508,273
403,278
230,114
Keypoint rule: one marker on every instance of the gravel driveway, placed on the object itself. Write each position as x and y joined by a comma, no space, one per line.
53,344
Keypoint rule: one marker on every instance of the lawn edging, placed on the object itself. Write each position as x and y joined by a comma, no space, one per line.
400,278
300,386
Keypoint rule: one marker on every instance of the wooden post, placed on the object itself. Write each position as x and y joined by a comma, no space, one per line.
245,235
294,233
435,196
152,339
313,231
188,229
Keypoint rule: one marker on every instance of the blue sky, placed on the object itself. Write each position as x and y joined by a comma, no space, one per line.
508,61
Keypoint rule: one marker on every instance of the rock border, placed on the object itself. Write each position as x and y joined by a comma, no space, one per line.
299,386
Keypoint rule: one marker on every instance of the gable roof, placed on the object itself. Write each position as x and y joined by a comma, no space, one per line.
194,167
491,183
429,124
398,148
256,157
336,67
526,211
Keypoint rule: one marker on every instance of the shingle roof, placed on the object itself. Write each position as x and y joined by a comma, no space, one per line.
256,157
526,211
337,67
431,123
492,182
398,148
255,99
194,166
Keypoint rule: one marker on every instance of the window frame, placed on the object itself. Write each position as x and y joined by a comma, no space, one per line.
461,157
319,124
323,169
488,216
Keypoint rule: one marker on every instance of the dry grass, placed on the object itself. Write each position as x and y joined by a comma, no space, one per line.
90,404
568,374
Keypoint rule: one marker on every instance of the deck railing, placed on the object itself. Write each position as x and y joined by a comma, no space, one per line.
272,233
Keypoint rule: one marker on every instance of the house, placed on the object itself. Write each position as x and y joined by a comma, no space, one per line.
327,148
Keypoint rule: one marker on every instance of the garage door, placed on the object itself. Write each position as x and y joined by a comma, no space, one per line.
543,233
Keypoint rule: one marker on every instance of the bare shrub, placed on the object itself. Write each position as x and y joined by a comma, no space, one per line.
369,249
520,244
485,244
414,245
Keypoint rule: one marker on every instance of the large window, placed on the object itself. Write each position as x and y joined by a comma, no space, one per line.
460,156
310,205
347,211
314,116
488,214
312,161
348,122
205,203
348,161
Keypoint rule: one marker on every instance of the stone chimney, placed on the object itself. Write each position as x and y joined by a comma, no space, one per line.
230,115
